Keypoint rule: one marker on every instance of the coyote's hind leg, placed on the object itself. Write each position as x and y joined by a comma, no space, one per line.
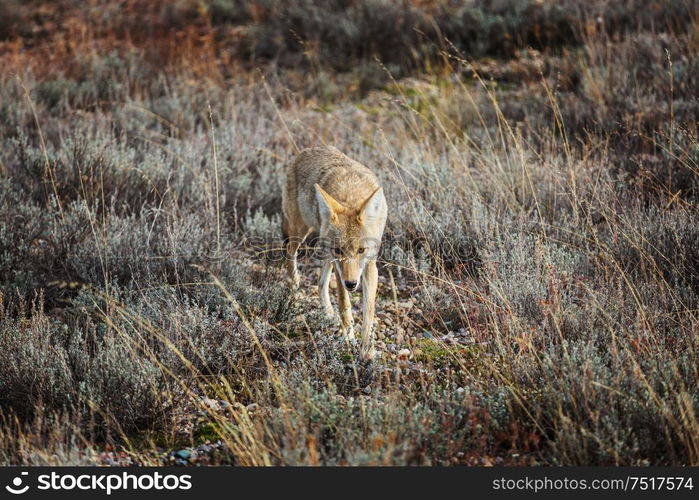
345,305
294,237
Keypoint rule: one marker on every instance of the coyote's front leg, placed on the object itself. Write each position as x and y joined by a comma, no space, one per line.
292,248
324,289
369,284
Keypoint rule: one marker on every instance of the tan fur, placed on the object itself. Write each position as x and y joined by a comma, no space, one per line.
330,194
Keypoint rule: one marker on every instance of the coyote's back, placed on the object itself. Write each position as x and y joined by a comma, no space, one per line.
349,182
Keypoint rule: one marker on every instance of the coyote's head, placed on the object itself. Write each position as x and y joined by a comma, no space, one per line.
351,237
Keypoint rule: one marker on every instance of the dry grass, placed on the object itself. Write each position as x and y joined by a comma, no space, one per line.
539,292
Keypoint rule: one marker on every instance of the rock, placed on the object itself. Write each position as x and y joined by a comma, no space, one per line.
404,354
252,407
211,403
183,454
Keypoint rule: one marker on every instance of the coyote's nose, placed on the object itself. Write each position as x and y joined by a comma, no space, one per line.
350,285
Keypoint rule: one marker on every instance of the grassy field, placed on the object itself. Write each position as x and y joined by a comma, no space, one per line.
539,279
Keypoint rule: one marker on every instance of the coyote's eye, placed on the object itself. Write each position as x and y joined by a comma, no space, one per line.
360,250
337,251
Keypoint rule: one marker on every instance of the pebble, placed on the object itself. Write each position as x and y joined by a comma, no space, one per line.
404,354
211,403
204,449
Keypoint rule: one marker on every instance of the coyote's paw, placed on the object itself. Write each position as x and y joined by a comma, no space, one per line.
368,353
348,332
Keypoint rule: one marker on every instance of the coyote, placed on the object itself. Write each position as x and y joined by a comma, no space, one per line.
330,194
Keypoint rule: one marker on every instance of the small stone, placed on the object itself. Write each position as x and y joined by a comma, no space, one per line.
404,354
252,407
183,454
211,403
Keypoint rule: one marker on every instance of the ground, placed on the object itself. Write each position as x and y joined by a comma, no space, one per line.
539,276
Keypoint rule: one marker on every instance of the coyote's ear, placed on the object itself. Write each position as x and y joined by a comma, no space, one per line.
329,207
372,206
